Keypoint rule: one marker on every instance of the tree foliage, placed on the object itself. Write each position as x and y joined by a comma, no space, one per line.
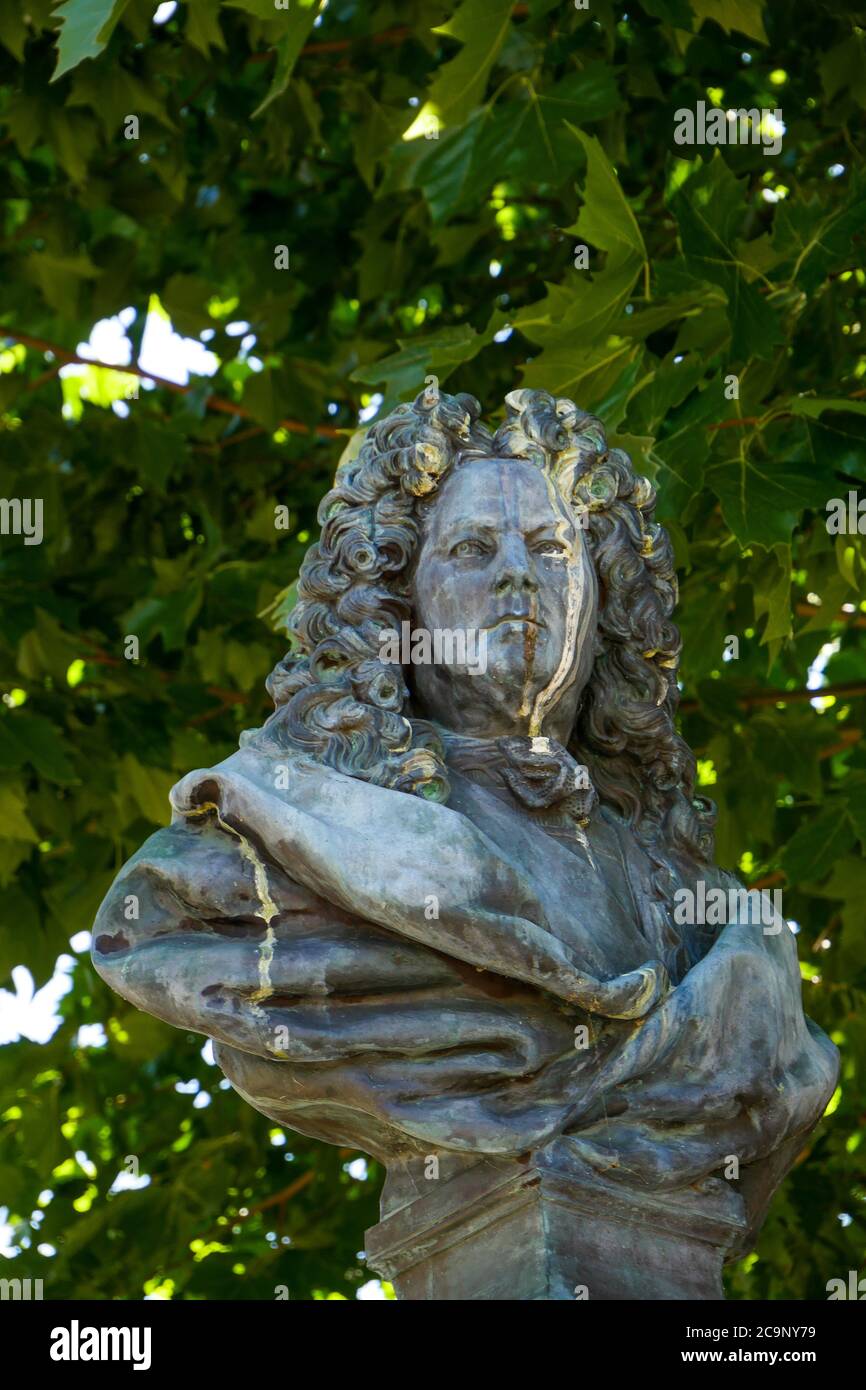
381,192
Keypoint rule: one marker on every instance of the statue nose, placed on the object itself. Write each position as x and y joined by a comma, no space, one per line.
515,572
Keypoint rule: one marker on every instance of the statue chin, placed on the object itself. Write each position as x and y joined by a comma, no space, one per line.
493,705
455,942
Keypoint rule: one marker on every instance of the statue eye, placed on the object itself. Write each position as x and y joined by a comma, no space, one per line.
551,548
466,548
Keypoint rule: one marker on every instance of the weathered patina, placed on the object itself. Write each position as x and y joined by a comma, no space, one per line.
427,910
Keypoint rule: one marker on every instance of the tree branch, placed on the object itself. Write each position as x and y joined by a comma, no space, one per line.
787,697
396,35
216,403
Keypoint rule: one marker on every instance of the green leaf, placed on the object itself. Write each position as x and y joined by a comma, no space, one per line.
59,277
46,649
680,453
168,617
185,299
677,12
710,211
298,21
114,94
818,240
667,387
12,755
481,27
157,451
75,138
402,373
532,138
13,32
87,25
39,742
447,169
855,791
842,67
587,377
372,134
148,788
746,16
527,138
14,822
612,407
19,919
584,309
606,219
771,582
813,406
262,398
814,848
835,443
789,746
847,885
660,314
203,26
763,498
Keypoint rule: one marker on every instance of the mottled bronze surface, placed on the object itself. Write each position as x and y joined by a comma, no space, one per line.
428,911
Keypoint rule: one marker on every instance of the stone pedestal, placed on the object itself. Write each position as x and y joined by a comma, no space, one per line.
546,1226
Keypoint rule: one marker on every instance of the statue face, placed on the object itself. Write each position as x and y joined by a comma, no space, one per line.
502,557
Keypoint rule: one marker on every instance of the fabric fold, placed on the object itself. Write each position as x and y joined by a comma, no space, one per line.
473,1004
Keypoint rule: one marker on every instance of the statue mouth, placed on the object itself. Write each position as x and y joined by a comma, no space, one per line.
522,618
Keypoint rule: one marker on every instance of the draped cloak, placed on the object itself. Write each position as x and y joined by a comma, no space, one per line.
385,972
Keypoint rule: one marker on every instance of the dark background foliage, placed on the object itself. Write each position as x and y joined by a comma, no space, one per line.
258,128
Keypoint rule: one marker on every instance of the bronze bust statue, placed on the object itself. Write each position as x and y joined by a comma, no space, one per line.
428,909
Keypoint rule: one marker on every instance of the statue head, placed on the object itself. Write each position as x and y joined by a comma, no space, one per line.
539,542
501,558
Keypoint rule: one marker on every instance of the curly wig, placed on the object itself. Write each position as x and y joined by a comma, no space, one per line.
337,701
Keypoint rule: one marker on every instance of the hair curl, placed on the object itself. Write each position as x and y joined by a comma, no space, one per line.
336,700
